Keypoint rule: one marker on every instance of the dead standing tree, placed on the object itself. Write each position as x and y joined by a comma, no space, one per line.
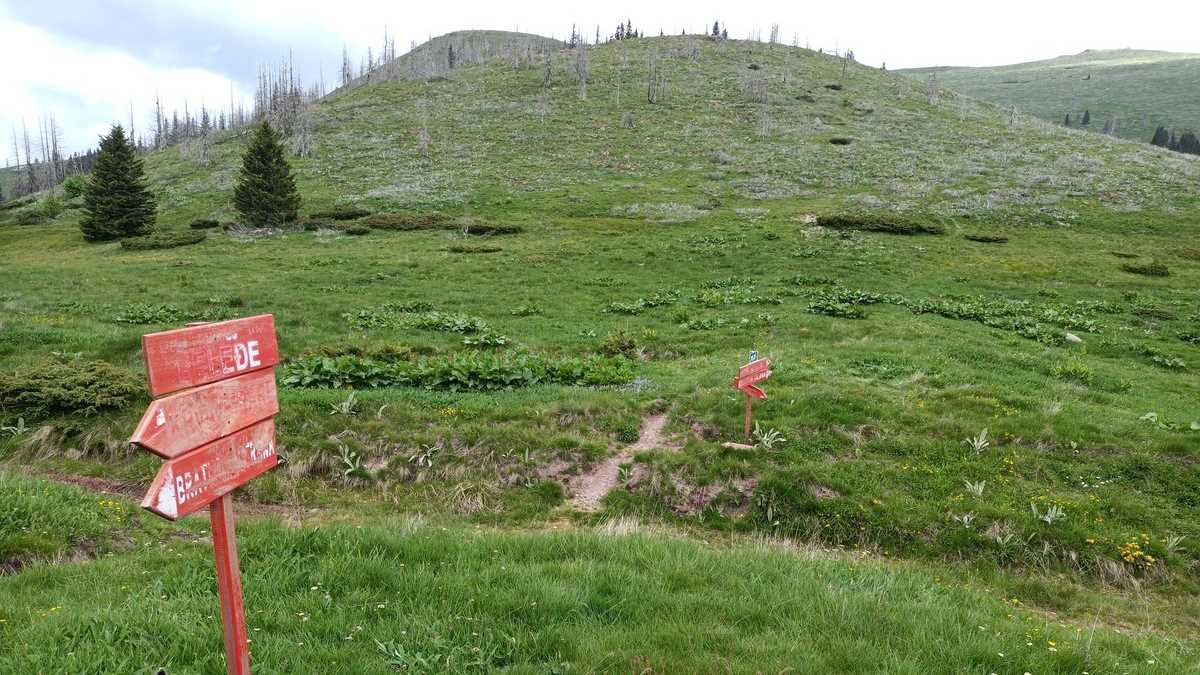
583,67
656,85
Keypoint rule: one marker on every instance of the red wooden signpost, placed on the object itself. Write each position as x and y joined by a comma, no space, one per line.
748,376
216,434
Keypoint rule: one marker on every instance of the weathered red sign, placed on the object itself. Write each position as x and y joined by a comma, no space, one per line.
217,435
188,357
175,424
752,373
195,480
749,374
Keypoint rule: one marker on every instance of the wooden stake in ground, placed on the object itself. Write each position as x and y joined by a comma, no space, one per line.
216,434
755,371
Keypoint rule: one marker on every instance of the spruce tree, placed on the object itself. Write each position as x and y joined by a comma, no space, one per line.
1087,119
1067,120
116,201
1161,137
265,193
1189,143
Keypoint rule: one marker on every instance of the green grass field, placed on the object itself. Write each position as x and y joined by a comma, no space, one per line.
952,423
1141,90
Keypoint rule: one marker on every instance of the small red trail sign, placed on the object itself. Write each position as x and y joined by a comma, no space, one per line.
748,376
216,434
188,357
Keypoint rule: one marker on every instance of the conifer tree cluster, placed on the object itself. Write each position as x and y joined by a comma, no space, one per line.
265,193
116,201
1187,142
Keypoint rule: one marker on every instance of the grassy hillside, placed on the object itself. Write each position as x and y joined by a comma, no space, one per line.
1139,89
983,329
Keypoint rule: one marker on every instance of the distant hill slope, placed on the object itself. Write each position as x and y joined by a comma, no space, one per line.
737,125
1139,89
432,59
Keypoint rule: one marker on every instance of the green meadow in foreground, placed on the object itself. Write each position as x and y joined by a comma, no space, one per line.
402,595
501,303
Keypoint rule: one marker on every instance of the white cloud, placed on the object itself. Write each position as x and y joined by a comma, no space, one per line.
88,88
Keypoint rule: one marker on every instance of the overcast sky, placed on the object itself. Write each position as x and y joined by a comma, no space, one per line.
85,61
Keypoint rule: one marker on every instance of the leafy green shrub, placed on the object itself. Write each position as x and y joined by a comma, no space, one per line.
148,314
987,238
526,310
1073,370
486,338
659,299
617,343
1189,336
68,387
163,239
831,307
355,230
73,187
204,224
1150,269
889,224
341,214
1158,357
474,370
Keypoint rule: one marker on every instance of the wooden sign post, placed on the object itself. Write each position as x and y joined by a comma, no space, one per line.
748,375
216,430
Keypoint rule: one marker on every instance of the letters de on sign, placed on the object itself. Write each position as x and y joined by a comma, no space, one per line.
189,357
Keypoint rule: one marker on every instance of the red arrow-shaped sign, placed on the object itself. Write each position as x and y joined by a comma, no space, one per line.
754,391
195,480
181,422
178,359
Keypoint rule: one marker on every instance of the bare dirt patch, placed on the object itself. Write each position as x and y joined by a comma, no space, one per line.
589,488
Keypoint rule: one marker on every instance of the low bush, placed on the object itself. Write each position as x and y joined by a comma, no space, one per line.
471,370
486,229
1151,269
987,238
840,140
355,230
17,203
163,239
68,387
341,214
406,221
890,224
463,248
204,224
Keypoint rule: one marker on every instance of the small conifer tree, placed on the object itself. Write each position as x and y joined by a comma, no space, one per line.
1087,118
116,201
265,193
1161,137
1067,120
